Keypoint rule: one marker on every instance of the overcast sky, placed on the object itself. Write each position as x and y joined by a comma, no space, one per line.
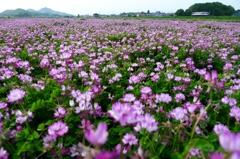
107,6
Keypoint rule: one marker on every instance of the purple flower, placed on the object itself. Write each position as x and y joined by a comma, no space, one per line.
128,97
225,100
48,142
98,137
213,79
235,155
3,153
195,152
107,155
191,107
86,125
146,90
23,116
179,97
215,155
130,139
134,79
44,63
3,105
60,112
146,122
179,114
220,128
235,112
16,95
165,98
123,113
230,141
58,129
232,102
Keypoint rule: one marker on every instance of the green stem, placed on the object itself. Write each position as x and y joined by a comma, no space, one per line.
176,135
199,118
11,148
121,151
40,154
152,146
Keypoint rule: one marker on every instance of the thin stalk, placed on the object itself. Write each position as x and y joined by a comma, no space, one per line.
121,151
199,118
176,135
152,146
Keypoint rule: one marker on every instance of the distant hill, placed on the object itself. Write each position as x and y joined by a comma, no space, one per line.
50,11
43,12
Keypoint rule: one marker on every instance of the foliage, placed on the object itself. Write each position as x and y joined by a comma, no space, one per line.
120,88
215,9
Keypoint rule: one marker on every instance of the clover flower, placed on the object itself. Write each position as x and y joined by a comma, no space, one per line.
16,95
220,128
58,129
3,153
60,112
99,136
130,139
230,141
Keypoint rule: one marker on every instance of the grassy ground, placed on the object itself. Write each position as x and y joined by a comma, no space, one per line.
211,18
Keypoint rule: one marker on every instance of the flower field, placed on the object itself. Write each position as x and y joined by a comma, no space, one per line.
114,89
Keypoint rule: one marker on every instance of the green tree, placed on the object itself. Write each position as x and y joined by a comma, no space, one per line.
215,8
179,12
148,12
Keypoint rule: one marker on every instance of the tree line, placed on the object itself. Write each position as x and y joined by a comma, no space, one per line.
215,9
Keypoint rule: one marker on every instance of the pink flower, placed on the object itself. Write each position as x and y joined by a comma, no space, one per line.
16,95
220,128
130,139
179,97
216,156
3,153
44,63
98,137
230,141
212,78
165,98
147,122
128,97
58,129
60,112
124,113
3,105
146,90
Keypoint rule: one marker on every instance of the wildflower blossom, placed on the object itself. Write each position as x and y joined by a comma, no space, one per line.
165,98
98,137
220,128
130,139
147,122
58,129
179,97
3,153
16,95
179,113
60,112
123,113
230,141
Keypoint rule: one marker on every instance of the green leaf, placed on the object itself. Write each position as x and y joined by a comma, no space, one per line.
202,144
176,155
22,148
35,135
41,127
49,122
160,149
